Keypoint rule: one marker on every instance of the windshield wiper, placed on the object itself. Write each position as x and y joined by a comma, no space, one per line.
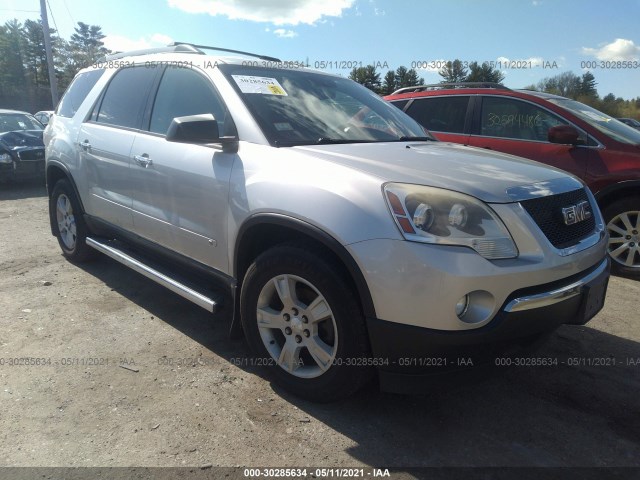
328,141
415,139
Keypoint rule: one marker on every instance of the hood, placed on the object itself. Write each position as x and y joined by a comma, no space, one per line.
22,138
484,174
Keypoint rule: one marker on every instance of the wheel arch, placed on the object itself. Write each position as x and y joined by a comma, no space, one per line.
263,231
616,192
57,171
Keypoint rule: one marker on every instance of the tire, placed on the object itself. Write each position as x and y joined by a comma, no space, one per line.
304,324
68,224
622,218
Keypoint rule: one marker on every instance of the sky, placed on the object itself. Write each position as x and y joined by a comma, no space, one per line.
526,39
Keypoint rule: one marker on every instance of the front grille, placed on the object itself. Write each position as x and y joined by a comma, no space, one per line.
547,213
31,154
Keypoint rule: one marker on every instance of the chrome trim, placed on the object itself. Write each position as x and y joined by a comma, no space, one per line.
152,274
555,296
583,244
544,189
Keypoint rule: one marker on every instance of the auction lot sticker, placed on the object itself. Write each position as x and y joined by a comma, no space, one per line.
262,85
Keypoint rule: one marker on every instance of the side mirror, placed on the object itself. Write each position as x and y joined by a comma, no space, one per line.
194,129
564,134
201,130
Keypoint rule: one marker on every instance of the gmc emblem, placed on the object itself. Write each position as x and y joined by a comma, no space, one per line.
576,213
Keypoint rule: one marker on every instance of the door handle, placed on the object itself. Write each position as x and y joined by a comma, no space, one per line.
143,160
85,145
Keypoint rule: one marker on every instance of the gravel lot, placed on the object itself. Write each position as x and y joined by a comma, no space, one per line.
109,397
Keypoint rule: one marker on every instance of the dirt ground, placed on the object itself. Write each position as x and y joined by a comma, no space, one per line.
114,391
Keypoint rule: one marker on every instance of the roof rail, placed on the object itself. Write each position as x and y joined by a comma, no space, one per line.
262,57
435,86
173,48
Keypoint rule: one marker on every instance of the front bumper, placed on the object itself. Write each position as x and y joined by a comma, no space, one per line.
404,352
25,163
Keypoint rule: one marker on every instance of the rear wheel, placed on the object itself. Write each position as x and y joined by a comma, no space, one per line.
68,224
623,224
303,322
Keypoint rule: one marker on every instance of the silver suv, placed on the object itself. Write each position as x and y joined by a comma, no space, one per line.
346,240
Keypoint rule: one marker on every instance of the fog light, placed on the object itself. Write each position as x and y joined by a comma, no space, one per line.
462,306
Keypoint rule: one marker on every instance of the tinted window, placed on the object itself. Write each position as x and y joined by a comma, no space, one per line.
440,114
509,118
125,97
400,104
77,92
300,107
603,122
184,92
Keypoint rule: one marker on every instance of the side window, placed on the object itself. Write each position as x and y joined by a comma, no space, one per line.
510,118
440,114
125,97
77,92
400,103
185,92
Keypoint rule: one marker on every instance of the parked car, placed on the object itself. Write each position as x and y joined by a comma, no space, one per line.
547,128
345,239
632,122
21,146
43,116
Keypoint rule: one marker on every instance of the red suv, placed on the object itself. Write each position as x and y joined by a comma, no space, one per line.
558,131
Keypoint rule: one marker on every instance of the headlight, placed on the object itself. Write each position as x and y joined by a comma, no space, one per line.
435,215
5,158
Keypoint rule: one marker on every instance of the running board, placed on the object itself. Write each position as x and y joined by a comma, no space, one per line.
152,271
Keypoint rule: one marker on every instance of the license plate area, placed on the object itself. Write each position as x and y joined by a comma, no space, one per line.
593,296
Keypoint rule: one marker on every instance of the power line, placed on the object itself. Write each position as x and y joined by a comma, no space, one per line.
16,10
52,17
69,11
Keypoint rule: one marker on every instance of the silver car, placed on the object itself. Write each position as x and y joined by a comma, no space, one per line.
347,241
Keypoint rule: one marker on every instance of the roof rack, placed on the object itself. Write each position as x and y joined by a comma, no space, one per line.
435,86
182,47
262,57
173,48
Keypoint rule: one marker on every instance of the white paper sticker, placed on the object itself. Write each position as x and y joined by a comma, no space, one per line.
261,85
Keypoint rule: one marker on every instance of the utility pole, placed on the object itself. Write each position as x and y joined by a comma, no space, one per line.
47,48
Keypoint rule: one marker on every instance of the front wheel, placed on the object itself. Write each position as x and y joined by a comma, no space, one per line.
68,224
623,223
302,321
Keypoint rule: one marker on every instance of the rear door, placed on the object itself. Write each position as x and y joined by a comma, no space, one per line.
180,199
519,127
105,141
448,117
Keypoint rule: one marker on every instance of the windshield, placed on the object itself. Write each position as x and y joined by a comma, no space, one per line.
603,122
297,107
10,122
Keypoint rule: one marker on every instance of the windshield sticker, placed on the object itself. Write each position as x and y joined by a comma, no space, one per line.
261,85
595,116
283,126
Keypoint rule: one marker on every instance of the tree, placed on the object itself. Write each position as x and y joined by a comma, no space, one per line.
588,85
35,57
412,79
12,71
566,84
453,72
367,76
483,73
389,83
86,45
